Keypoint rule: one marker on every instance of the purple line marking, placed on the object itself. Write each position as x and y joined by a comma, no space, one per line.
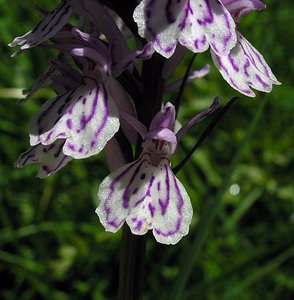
112,188
165,204
147,192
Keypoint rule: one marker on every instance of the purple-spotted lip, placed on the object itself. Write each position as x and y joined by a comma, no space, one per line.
146,197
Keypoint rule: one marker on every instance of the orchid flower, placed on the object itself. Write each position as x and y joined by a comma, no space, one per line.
198,24
145,193
84,115
244,66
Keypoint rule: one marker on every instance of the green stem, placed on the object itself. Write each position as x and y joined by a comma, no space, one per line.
213,207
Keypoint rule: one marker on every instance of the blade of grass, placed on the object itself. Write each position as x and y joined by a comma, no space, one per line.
212,209
258,274
263,255
241,209
9,235
24,263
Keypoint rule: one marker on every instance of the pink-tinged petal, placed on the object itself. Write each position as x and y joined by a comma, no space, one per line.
164,118
86,117
171,206
196,24
121,192
198,118
47,28
124,104
101,62
129,59
92,42
50,157
244,68
239,8
114,156
135,123
195,74
94,12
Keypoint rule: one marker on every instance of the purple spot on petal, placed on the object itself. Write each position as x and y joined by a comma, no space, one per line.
71,147
158,185
139,225
69,123
151,209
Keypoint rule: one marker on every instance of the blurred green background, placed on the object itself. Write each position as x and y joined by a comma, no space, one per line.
51,243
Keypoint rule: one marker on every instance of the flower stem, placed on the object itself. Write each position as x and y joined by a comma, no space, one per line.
131,265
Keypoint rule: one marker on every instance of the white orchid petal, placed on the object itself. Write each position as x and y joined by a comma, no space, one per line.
124,104
113,154
196,24
86,117
146,197
51,158
47,28
244,67
121,191
172,209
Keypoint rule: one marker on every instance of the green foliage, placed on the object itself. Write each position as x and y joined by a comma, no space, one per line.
240,182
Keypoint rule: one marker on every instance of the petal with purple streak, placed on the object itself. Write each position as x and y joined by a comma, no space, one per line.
86,117
51,158
244,68
196,24
239,8
172,211
45,29
146,197
121,192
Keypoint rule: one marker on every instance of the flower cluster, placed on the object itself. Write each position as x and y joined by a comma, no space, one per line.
99,83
